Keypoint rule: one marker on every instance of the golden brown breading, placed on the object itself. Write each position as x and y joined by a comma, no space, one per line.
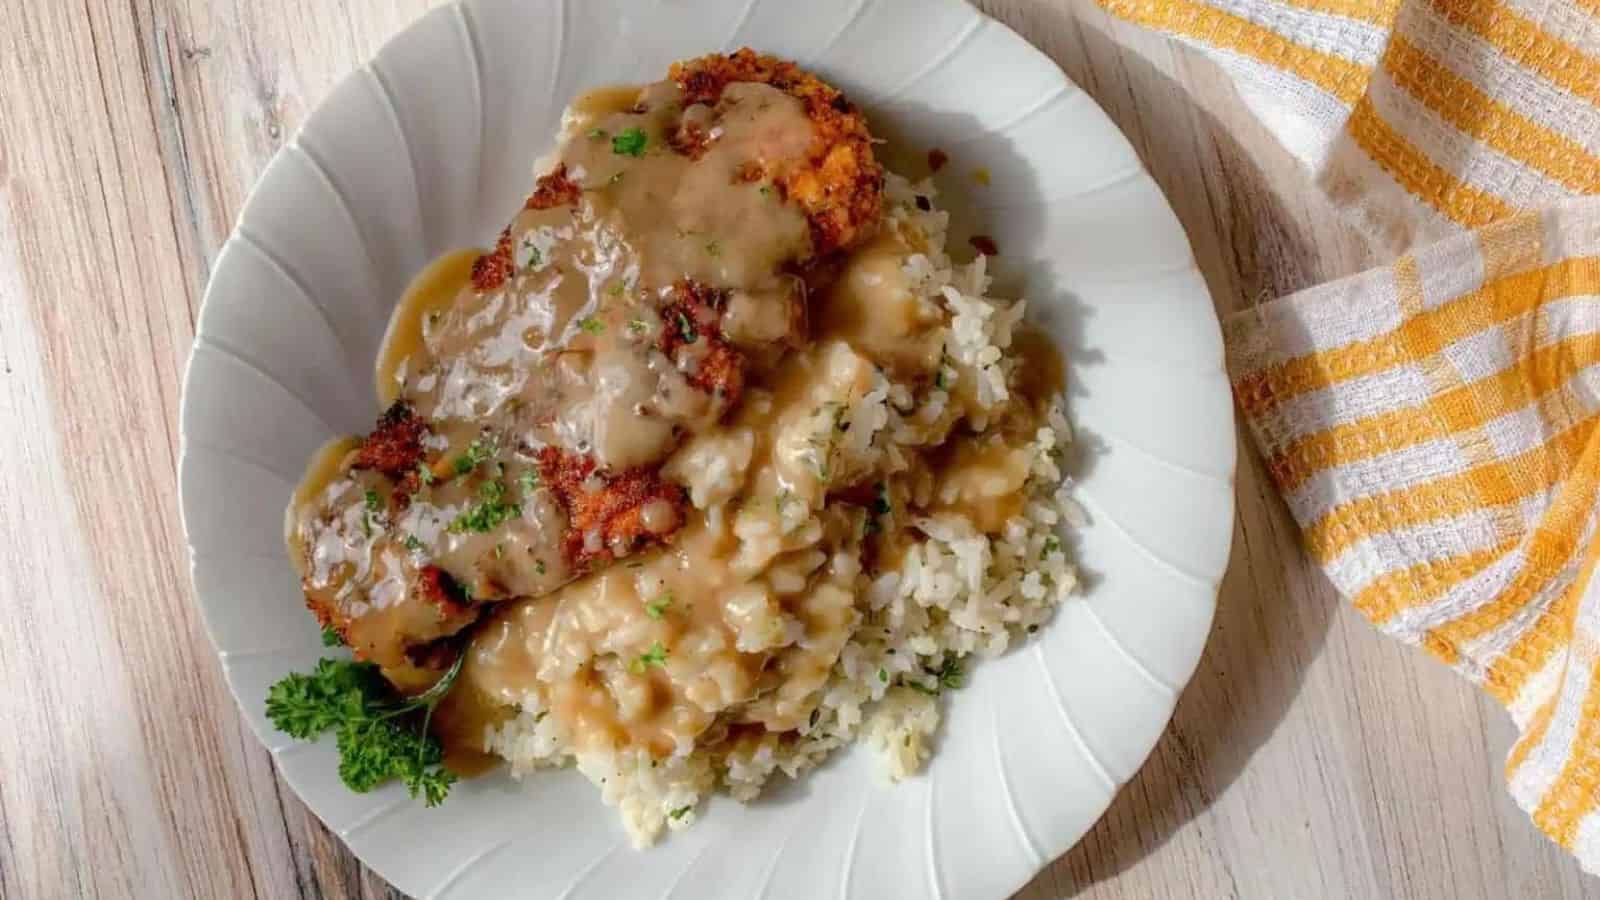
395,444
840,185
436,586
607,511
694,315
491,269
554,189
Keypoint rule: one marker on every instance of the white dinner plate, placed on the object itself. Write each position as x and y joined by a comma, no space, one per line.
430,147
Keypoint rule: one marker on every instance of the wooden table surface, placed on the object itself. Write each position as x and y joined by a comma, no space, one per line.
1309,757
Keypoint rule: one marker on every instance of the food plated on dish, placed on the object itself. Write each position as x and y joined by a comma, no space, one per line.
713,464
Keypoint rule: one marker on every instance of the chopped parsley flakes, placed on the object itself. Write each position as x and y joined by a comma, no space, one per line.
412,543
424,473
489,513
477,452
949,674
630,142
374,502
655,656
330,636
1051,545
679,813
657,608
529,479
686,329
592,325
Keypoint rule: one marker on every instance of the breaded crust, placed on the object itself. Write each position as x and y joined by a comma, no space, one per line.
694,316
840,185
490,270
606,512
395,445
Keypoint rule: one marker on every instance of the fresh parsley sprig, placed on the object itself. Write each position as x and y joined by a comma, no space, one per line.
380,735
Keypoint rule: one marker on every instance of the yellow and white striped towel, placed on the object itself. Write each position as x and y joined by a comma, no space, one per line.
1435,425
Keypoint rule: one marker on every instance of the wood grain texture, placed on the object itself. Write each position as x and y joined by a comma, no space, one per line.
1309,758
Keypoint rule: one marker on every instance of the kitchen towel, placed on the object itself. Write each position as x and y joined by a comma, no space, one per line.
1434,425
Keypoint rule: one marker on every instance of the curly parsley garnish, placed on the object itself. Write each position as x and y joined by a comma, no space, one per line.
630,142
379,734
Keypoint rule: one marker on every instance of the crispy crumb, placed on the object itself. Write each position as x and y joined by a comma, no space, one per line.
611,518
554,189
840,184
694,315
395,444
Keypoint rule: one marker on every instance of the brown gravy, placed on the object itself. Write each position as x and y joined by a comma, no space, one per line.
564,352
735,625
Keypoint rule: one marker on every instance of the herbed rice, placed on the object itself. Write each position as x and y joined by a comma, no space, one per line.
956,594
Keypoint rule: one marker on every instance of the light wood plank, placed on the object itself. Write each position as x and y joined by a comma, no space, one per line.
1309,757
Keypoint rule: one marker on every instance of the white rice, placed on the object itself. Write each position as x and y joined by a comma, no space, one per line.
956,595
